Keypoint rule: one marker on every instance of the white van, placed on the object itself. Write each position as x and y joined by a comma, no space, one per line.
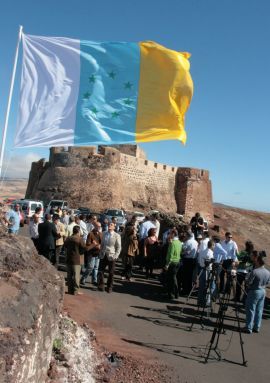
55,203
28,208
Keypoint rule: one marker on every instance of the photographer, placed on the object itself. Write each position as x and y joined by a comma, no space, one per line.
205,260
197,225
257,281
244,267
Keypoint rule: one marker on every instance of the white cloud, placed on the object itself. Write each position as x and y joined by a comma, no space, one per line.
19,165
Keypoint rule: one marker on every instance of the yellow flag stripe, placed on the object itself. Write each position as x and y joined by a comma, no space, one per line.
165,92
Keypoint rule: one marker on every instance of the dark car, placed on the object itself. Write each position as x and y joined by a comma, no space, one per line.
84,210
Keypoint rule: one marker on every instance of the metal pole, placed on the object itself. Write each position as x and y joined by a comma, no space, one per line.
9,100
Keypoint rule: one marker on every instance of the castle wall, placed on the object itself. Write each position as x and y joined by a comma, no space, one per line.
109,177
148,183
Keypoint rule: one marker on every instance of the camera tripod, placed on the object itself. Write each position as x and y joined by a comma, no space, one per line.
219,326
206,296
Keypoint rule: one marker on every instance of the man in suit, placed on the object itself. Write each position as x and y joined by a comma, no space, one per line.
109,252
61,231
47,236
75,247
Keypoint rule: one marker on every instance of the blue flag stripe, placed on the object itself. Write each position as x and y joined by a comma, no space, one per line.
107,100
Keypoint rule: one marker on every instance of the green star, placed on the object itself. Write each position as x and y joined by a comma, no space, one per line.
86,95
128,85
94,110
115,114
92,78
112,74
128,101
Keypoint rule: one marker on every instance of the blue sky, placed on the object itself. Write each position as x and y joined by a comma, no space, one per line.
228,121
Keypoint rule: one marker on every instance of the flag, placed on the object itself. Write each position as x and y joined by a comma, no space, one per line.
77,92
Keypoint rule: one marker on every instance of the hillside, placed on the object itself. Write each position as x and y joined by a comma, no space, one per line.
244,225
13,188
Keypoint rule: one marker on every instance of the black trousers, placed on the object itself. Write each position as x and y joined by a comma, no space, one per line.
188,267
102,267
149,265
172,280
129,260
48,253
226,267
36,243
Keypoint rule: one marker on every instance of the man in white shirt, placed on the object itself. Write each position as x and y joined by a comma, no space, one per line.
33,229
202,246
91,221
156,223
143,233
145,227
65,218
206,283
189,256
230,260
110,249
70,226
205,240
82,224
230,247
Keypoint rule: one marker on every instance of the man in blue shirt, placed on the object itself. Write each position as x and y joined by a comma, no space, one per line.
13,219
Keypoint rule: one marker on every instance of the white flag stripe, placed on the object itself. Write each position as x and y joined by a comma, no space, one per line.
49,91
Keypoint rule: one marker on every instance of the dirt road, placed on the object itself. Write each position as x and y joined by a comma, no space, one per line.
136,320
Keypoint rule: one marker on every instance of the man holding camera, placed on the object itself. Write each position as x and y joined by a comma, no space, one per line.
197,225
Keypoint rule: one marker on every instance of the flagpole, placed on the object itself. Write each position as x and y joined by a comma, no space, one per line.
9,99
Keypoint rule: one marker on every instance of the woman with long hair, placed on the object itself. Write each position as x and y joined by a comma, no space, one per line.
150,251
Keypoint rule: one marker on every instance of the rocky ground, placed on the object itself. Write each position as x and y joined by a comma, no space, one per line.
73,357
78,357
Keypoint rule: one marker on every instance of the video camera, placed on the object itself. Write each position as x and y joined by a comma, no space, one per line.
246,259
262,253
208,262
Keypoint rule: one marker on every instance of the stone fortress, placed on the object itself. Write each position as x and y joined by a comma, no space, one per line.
119,177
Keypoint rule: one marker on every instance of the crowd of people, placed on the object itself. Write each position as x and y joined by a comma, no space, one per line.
188,258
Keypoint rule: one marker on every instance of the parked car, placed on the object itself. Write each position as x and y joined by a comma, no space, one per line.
55,203
151,212
84,210
119,214
139,216
28,208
